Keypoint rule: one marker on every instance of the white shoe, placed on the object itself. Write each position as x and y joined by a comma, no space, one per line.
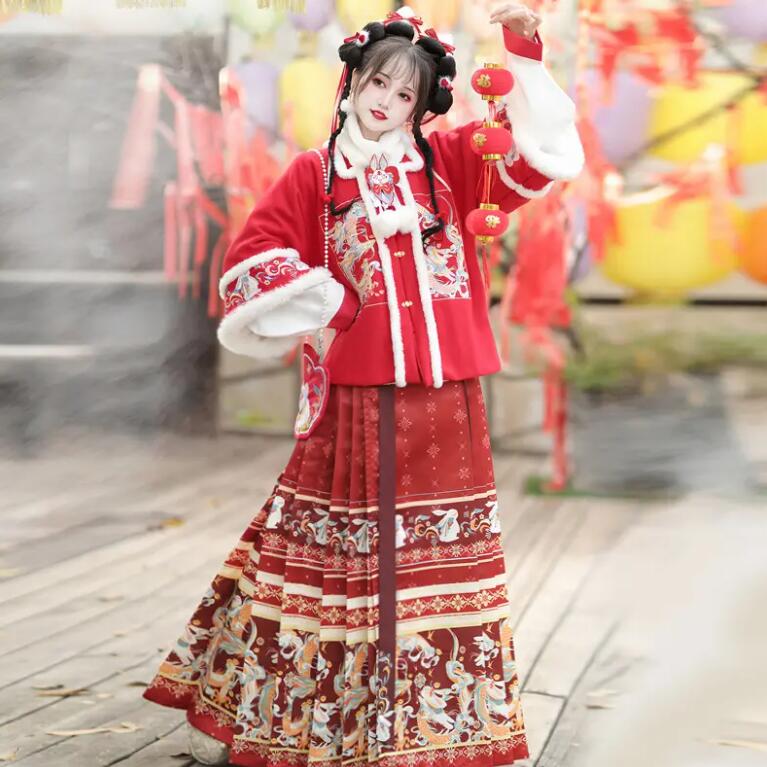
206,749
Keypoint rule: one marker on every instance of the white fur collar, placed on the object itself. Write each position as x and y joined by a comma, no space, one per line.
398,146
387,216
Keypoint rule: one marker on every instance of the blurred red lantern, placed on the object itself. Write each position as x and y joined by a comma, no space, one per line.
492,81
487,222
492,141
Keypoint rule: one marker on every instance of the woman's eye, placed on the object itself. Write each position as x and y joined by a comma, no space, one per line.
378,81
405,96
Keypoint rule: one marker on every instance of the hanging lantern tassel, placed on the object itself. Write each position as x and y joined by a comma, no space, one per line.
492,141
486,223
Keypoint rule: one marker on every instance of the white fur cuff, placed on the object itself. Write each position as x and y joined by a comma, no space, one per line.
542,116
234,330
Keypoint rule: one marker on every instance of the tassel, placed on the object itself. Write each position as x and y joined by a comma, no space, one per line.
215,304
140,145
170,251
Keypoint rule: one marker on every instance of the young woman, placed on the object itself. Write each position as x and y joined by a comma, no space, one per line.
363,615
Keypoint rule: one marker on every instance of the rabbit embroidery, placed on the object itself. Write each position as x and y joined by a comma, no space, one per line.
382,178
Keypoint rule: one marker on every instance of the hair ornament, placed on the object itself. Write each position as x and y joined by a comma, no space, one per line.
446,83
351,50
361,38
449,49
407,15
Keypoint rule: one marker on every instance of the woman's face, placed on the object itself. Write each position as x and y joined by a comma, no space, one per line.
385,103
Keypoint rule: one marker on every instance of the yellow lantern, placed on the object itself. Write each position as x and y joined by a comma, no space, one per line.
307,92
751,146
664,261
440,14
753,259
354,14
743,129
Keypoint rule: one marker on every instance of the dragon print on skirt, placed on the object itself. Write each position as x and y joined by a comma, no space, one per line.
281,657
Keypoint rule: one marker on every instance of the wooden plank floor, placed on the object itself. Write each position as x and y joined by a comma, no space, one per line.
98,580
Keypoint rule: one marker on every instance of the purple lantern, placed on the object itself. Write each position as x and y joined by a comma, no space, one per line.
622,118
316,15
259,83
744,18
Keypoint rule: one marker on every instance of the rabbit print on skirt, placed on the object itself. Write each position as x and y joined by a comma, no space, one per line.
363,616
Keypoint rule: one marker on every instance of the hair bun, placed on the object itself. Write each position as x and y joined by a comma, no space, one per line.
350,52
441,101
401,29
430,45
446,67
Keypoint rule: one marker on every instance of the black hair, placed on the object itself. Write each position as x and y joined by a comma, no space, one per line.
429,59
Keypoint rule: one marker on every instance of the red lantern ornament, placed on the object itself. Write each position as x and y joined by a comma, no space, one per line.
492,82
487,222
492,141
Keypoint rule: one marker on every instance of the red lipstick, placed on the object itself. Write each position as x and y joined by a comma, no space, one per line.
378,115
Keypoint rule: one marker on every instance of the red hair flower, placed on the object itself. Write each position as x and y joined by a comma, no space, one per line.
416,21
361,38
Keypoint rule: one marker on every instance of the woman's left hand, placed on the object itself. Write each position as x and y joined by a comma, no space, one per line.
518,18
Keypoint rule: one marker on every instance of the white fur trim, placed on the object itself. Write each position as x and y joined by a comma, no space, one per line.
389,222
406,12
243,267
403,153
407,217
395,322
531,194
395,144
234,332
542,116
424,291
428,310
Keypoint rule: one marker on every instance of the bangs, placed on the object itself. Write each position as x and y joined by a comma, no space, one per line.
402,66
398,58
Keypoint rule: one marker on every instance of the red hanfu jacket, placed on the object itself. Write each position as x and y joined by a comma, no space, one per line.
403,313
